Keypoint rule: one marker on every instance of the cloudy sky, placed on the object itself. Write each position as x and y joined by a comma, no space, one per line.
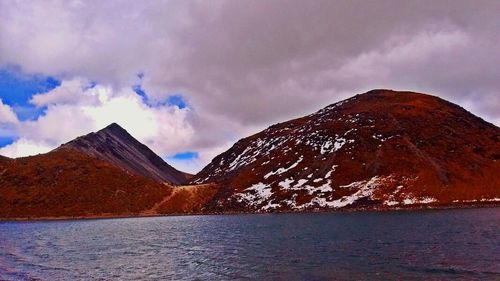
189,78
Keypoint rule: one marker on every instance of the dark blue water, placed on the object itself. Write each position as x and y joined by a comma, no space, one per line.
431,245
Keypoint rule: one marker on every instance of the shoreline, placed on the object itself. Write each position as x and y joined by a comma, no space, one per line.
317,211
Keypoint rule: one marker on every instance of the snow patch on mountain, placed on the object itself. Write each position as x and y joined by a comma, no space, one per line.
255,194
283,170
365,189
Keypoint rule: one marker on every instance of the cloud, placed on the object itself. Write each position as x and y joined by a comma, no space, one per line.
241,65
400,52
75,91
163,128
24,147
8,121
202,157
7,115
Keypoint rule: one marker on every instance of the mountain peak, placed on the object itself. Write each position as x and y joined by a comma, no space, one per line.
115,145
379,91
113,127
117,131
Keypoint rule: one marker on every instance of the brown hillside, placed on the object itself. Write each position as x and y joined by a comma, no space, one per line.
381,149
71,184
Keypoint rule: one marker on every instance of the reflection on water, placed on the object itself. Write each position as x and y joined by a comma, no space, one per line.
446,244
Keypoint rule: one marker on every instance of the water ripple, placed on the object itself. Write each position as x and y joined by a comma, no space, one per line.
431,245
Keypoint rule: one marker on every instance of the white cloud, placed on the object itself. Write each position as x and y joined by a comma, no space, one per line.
205,155
8,120
163,128
24,147
7,115
74,91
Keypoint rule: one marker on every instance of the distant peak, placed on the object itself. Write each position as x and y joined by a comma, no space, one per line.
378,91
394,96
113,127
392,93
118,147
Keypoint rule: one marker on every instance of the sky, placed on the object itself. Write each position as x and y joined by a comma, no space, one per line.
189,78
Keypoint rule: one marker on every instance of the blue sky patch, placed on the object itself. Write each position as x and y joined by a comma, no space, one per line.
177,100
138,90
4,141
91,85
187,155
172,100
17,88
28,112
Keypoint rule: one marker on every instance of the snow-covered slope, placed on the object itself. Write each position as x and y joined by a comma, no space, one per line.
379,149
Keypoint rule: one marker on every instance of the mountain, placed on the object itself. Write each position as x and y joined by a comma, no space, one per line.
381,149
115,145
102,174
378,150
67,183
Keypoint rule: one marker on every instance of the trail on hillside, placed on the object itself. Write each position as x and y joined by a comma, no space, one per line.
183,198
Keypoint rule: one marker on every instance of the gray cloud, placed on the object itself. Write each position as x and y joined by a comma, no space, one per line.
259,62
243,65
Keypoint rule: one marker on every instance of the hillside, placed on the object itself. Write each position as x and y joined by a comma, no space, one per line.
66,183
381,149
102,174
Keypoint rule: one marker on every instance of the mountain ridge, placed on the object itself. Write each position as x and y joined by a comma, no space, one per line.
115,145
382,149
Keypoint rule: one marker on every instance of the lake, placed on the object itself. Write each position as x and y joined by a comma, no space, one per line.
403,245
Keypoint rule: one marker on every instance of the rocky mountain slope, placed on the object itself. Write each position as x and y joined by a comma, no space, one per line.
115,145
381,149
69,183
103,174
66,183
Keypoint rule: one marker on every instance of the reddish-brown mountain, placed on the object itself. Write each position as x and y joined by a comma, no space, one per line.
381,149
66,183
107,173
115,145
69,183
